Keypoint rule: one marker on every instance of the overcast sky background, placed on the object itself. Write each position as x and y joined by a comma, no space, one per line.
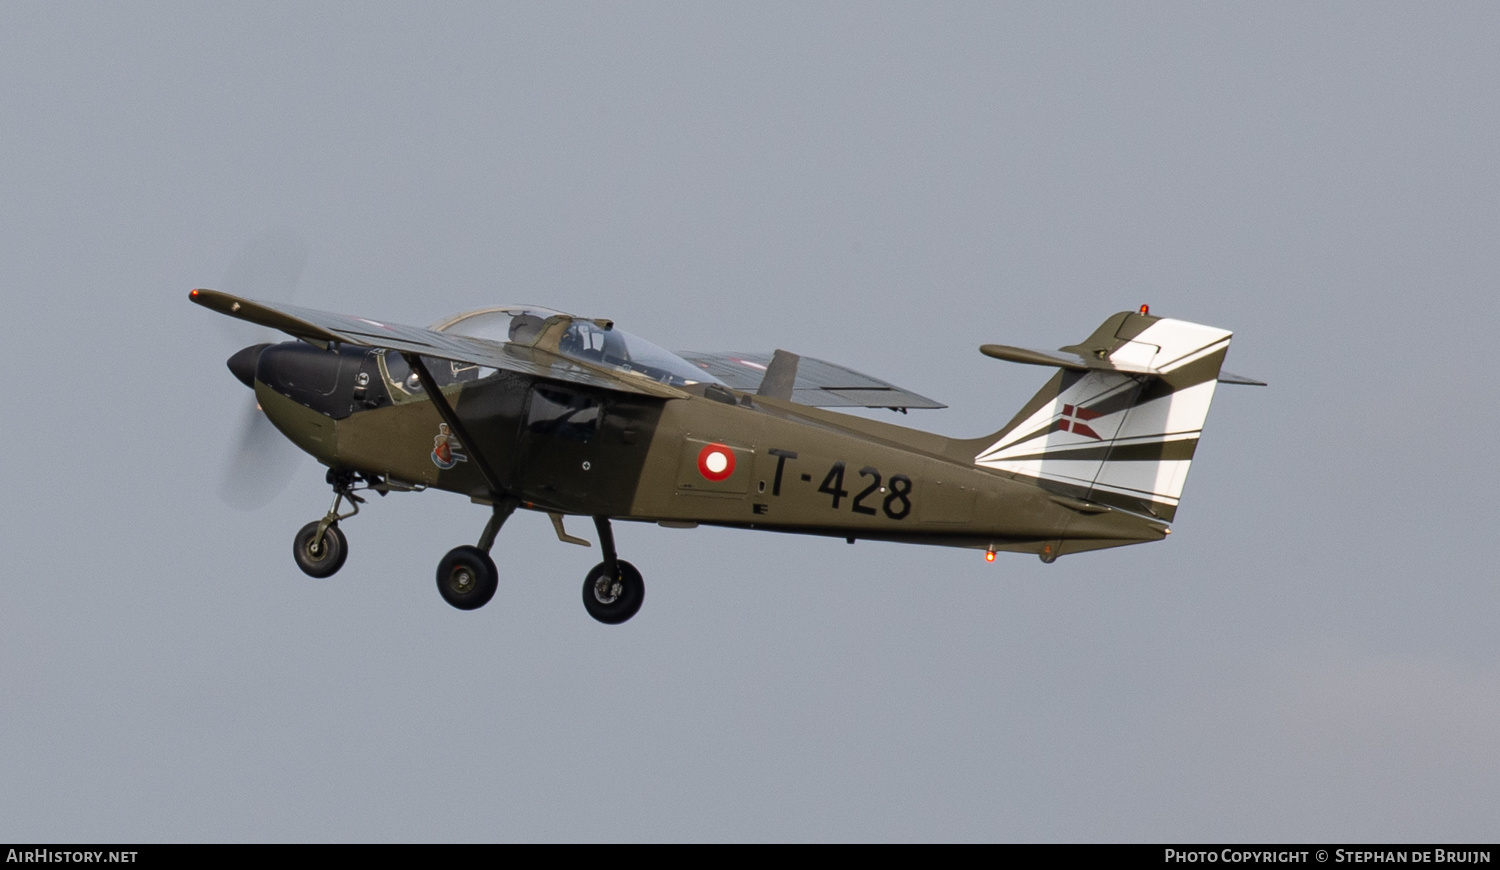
1311,656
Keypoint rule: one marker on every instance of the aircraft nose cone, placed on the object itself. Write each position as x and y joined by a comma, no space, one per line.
242,364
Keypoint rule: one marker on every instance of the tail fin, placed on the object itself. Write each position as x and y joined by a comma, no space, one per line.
1119,424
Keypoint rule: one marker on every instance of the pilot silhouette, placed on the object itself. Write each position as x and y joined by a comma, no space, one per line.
524,328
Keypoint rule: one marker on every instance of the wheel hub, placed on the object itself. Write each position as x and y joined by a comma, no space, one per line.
462,580
607,590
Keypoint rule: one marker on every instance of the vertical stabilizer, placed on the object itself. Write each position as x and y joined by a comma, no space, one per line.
1119,424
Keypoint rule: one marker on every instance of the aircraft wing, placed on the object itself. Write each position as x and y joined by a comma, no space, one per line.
323,326
819,384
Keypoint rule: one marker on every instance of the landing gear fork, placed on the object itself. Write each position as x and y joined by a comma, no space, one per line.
343,487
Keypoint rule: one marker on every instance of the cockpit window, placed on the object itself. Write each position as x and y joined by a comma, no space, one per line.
619,349
404,382
584,340
520,324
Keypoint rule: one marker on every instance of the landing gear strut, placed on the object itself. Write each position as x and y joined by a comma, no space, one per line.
466,577
320,547
613,591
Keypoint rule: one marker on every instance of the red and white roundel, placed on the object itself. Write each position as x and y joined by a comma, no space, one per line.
716,462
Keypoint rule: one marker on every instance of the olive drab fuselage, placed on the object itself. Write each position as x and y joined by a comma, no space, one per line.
570,449
528,408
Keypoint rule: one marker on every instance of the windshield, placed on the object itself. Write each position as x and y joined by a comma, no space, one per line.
619,349
584,339
519,323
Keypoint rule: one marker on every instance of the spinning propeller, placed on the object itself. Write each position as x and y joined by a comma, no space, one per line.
261,462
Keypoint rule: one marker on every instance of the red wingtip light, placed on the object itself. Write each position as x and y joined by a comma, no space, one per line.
193,294
1145,309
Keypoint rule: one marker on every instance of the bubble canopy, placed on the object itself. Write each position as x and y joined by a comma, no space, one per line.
583,340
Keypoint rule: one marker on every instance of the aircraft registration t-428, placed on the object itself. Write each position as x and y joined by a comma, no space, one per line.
522,407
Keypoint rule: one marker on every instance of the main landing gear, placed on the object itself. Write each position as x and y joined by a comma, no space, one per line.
466,577
613,591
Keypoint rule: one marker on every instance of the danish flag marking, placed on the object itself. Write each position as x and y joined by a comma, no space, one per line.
1073,421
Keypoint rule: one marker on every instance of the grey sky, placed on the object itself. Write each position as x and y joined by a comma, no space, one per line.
1312,655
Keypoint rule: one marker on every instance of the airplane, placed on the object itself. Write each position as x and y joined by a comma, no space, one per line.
525,407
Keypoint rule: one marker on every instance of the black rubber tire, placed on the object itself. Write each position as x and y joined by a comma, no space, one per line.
628,597
466,578
330,556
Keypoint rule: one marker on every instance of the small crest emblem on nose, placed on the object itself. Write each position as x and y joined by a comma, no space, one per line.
445,449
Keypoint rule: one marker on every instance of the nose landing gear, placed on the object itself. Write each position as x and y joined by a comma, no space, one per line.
320,547
320,550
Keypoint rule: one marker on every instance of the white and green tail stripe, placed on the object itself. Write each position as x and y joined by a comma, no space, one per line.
1123,431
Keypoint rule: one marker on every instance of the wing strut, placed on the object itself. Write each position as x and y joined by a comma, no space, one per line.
450,417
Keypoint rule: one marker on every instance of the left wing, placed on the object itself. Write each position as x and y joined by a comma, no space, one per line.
818,383
322,326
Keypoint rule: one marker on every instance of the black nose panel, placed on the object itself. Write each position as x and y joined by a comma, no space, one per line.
336,382
242,364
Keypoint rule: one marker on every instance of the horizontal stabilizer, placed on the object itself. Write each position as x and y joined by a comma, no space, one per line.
1027,356
1074,363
